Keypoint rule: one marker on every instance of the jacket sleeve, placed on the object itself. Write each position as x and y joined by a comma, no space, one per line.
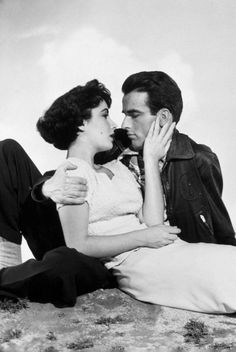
211,176
36,192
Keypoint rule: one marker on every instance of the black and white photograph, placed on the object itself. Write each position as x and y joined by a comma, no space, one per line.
117,175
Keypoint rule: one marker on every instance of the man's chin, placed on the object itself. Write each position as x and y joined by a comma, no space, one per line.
135,147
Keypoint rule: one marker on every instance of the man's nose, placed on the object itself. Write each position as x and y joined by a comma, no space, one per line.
126,122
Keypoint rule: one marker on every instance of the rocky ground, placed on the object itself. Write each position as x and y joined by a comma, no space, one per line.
110,321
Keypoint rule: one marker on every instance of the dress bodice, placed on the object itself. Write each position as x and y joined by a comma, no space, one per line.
114,202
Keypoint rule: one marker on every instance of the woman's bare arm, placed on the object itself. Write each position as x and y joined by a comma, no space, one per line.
156,144
74,220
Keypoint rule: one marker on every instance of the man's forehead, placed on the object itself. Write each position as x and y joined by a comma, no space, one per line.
135,100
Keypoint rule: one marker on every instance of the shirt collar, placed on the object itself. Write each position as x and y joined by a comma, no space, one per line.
127,152
180,147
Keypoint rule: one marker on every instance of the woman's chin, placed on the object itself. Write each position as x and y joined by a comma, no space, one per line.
105,148
109,146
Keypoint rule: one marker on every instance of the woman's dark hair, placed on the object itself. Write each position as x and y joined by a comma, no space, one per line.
162,90
60,123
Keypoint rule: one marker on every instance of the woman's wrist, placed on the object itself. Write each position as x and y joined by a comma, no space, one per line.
140,238
150,164
151,158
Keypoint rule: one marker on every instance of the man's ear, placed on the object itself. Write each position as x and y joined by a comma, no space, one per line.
165,116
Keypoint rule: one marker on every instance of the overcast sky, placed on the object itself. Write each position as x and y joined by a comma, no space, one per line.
49,46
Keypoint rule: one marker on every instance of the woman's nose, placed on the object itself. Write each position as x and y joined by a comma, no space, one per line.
112,123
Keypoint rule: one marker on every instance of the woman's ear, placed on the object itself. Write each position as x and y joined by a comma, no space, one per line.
165,116
82,127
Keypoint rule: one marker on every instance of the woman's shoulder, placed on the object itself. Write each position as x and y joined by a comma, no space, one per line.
79,161
83,167
114,164
117,166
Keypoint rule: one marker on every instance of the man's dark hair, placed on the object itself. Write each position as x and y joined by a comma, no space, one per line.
162,90
60,123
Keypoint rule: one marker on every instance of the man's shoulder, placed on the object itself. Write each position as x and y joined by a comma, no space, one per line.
202,152
199,147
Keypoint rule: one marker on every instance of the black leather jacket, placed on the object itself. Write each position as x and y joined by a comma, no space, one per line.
192,184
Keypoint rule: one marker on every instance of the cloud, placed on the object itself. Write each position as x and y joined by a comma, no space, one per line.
182,72
88,53
84,55
65,61
39,31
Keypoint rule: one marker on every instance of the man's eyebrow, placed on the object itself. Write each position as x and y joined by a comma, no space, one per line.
131,111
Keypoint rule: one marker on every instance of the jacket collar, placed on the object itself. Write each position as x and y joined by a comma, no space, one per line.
180,147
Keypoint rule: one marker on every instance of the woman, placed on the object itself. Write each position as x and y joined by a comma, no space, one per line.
117,226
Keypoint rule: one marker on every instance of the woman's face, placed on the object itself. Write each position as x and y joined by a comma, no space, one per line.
100,128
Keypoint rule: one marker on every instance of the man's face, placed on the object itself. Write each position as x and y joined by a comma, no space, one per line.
138,118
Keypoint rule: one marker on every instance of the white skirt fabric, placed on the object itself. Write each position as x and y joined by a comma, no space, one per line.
193,276
10,253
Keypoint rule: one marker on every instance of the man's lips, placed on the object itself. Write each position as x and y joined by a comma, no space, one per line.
131,135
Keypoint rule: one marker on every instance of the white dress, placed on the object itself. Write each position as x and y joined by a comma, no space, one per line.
199,277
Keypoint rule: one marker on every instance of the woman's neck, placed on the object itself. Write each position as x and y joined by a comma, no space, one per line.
82,151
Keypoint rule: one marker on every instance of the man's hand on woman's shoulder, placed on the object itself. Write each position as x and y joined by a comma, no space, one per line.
64,189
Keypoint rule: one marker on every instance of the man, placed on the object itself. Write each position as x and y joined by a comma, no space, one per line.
190,172
191,175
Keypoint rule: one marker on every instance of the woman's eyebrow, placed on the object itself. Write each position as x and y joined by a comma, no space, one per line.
104,110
